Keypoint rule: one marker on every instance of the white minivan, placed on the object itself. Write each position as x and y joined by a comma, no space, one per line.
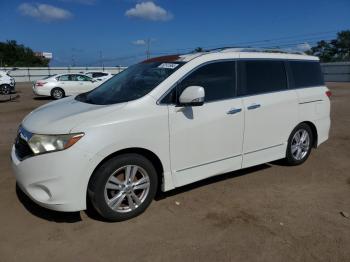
167,122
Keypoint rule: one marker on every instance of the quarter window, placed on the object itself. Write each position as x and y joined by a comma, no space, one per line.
218,80
306,73
257,77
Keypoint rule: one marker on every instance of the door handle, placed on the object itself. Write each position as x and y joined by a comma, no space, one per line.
254,106
234,111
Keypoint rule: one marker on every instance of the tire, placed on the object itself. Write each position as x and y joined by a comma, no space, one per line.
57,93
299,145
114,198
5,90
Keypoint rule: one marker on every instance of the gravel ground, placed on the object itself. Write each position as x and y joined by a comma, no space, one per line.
266,213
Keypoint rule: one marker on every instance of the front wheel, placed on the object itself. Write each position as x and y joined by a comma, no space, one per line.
299,145
5,89
123,187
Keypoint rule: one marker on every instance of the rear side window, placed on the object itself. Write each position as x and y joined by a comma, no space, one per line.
257,77
218,80
65,78
306,74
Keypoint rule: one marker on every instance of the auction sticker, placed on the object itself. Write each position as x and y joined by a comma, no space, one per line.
168,65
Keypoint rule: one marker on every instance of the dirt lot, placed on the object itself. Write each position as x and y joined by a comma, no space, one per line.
265,213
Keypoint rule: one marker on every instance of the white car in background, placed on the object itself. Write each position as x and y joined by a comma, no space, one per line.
7,83
59,86
100,76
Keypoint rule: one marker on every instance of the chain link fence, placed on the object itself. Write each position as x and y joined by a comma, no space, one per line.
30,74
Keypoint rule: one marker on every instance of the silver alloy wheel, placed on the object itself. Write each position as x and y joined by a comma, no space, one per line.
300,144
127,188
5,90
57,94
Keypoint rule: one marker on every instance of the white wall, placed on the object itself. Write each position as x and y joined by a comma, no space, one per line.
336,72
29,74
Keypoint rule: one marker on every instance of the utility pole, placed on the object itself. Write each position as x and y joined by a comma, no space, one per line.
148,51
101,59
73,60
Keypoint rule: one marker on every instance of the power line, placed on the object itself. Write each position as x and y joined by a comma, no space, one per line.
286,41
256,42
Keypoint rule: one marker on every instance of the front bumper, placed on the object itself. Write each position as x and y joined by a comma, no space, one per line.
57,181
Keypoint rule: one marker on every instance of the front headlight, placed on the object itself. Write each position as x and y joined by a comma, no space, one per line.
49,143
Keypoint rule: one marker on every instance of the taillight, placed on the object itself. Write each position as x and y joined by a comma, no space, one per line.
328,93
40,83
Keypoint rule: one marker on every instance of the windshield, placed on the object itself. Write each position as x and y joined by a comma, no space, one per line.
133,83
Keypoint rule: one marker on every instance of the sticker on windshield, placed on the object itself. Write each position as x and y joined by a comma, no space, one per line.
168,65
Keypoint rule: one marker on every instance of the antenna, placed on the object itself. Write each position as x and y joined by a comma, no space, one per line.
101,59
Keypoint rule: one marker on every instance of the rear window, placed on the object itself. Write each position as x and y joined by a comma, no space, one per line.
64,78
259,77
98,74
306,74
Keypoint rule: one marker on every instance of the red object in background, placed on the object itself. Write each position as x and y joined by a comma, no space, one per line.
40,84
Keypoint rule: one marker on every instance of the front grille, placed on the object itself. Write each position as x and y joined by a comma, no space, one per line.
22,148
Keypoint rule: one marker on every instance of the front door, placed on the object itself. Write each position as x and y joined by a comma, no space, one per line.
83,84
207,140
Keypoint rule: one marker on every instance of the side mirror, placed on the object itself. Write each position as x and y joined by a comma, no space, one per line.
192,96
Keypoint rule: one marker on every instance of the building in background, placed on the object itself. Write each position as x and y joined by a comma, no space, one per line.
46,55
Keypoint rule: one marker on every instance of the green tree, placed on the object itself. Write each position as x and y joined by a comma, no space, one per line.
16,55
334,50
198,50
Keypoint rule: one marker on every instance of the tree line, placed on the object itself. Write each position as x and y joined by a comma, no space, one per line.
336,50
13,54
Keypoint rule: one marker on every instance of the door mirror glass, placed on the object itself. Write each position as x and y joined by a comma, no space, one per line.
192,96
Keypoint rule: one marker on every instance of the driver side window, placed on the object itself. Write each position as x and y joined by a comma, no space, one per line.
218,80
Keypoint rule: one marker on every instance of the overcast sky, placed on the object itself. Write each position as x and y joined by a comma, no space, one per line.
83,31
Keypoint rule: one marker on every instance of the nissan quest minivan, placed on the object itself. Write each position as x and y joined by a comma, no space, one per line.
170,121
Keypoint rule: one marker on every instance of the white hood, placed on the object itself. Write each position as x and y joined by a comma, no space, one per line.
61,116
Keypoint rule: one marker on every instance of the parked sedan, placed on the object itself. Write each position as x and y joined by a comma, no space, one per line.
59,86
99,76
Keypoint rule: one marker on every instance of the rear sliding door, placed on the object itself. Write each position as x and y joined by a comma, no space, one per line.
271,110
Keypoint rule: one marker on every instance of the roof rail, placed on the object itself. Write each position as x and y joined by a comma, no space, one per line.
257,50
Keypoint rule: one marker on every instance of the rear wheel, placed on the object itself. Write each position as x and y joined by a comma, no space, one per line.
57,93
123,187
5,89
299,145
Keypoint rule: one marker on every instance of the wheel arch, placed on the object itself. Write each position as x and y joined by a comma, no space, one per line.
151,156
314,132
